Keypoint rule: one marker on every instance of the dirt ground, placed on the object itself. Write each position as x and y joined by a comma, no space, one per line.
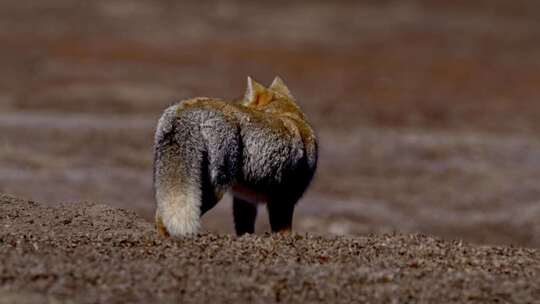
427,111
92,253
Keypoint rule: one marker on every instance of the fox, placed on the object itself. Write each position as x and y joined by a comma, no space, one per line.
259,147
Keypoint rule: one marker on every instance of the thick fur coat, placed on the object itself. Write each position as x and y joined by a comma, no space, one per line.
261,147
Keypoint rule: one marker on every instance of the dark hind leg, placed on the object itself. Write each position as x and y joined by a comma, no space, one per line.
281,215
244,214
211,192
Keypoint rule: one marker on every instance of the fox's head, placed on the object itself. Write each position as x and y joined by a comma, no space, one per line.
275,99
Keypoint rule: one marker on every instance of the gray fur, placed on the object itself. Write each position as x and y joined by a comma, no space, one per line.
206,146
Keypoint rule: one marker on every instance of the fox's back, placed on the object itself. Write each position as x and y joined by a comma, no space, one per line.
272,147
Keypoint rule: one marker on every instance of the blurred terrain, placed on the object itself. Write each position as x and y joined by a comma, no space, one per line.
427,111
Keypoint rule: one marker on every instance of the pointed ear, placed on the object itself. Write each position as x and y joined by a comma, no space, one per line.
256,93
279,86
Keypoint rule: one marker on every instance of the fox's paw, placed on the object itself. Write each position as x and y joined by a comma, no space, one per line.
161,230
285,231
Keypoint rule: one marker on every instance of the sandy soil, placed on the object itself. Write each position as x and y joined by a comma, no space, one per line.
89,253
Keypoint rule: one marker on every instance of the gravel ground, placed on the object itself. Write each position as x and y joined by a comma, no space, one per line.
89,253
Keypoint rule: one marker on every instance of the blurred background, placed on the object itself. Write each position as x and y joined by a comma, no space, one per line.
428,112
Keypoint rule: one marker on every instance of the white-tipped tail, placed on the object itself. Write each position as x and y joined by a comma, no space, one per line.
179,209
177,193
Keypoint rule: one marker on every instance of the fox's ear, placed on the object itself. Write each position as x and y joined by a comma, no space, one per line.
256,93
279,86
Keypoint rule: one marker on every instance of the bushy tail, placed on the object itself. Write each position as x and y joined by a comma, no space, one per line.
176,175
197,156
